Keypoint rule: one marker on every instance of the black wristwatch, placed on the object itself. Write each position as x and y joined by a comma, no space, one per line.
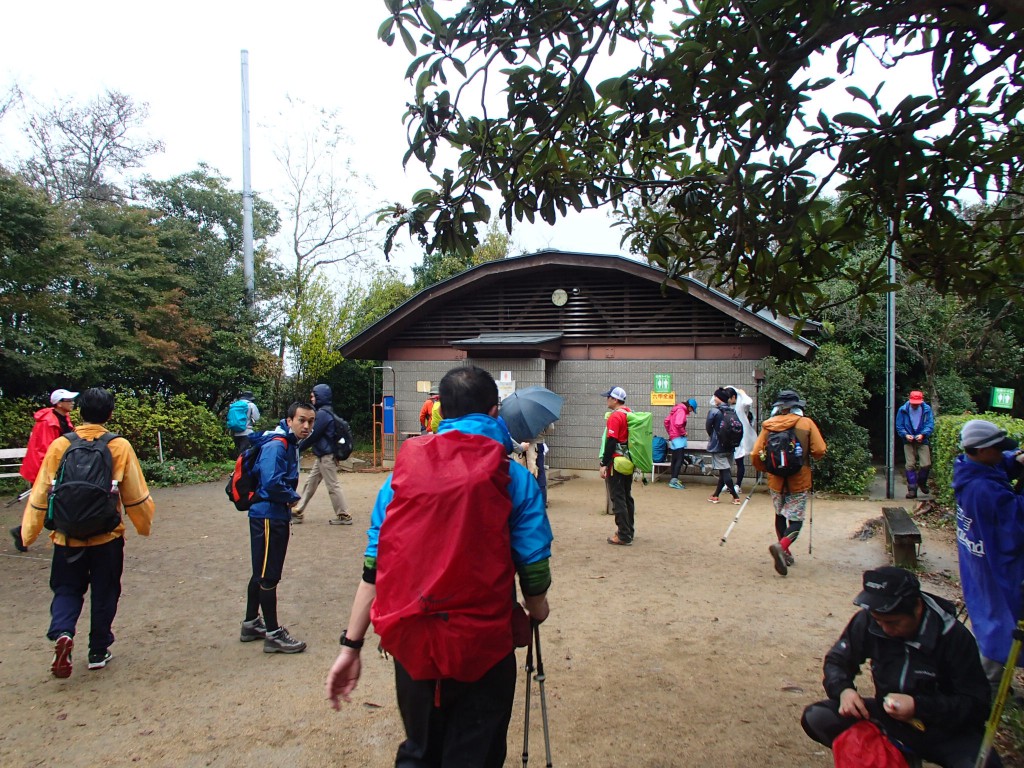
353,644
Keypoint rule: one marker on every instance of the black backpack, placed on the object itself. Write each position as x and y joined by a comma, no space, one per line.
783,454
342,435
730,430
84,499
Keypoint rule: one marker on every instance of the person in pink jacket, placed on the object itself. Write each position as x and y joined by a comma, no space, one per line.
675,425
50,424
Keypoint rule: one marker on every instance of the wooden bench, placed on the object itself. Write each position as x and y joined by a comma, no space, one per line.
902,536
695,449
11,460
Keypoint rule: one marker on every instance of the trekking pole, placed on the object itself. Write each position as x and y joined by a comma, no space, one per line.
810,514
543,699
1004,689
526,718
20,497
740,511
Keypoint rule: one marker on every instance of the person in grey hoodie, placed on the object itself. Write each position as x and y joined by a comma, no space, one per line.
325,467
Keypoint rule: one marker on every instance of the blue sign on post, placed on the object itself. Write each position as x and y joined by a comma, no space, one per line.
389,414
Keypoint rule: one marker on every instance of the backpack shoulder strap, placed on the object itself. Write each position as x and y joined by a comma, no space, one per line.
106,437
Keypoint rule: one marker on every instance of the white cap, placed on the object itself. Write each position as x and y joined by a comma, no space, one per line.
61,394
617,392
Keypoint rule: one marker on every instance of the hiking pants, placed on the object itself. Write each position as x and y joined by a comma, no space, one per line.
451,723
620,489
325,468
823,723
678,454
74,570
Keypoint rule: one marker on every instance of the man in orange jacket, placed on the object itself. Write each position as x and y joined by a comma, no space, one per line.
789,494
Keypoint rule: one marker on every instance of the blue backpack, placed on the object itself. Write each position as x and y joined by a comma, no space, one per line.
659,449
238,416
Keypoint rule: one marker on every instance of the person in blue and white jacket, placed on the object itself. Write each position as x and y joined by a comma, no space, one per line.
990,538
277,471
914,426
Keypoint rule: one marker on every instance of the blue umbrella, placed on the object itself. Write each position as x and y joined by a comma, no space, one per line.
529,410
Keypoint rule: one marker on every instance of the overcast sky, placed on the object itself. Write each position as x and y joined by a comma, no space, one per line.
183,59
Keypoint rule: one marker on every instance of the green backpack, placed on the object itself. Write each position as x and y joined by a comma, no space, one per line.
641,437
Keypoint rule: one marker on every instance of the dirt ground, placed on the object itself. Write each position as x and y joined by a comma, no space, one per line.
673,652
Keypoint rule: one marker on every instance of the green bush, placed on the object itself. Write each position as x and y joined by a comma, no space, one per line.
183,472
835,393
946,446
16,421
186,430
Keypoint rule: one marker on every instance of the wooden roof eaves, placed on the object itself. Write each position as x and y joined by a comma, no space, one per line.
372,342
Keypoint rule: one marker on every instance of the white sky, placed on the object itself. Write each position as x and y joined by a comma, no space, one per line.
183,59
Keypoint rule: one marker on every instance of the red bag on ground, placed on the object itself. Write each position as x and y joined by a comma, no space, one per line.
445,577
865,746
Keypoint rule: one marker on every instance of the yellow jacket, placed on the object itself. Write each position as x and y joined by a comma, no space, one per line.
810,438
135,498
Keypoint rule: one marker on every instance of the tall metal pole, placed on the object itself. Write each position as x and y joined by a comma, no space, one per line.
248,272
890,369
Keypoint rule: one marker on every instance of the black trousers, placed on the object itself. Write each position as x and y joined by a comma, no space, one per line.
823,723
73,571
620,488
450,724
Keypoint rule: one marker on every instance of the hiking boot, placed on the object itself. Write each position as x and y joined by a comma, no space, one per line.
253,630
99,659
674,483
912,492
780,559
790,560
344,519
61,666
713,499
614,539
16,535
279,641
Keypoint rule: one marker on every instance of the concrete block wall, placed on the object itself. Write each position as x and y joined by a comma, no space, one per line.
576,439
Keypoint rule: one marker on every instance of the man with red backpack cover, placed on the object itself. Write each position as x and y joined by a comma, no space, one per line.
439,581
931,696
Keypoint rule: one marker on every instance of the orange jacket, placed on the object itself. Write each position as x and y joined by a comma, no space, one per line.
426,410
810,438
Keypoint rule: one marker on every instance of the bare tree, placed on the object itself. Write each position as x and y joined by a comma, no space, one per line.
79,150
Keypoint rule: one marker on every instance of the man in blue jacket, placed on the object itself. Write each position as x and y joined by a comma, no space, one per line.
914,427
325,467
990,538
424,536
277,470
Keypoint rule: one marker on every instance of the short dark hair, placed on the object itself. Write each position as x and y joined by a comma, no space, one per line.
294,407
467,389
96,405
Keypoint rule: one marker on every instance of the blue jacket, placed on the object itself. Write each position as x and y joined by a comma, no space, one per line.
905,427
528,523
278,471
990,544
322,438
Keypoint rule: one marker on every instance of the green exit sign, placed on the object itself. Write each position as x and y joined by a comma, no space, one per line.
1002,398
662,382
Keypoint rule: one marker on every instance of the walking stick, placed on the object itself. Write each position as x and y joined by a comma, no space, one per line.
810,524
543,698
20,497
1004,690
740,511
526,718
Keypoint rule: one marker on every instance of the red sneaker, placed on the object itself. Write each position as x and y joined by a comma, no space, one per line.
713,499
61,666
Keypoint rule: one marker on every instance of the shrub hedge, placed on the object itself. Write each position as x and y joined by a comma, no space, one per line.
946,446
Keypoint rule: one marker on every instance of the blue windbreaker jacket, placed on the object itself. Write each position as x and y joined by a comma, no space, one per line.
905,427
278,470
990,543
528,523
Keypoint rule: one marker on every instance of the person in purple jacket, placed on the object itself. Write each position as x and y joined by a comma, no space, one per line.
990,538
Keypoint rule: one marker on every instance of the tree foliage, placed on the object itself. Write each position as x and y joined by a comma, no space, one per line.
710,139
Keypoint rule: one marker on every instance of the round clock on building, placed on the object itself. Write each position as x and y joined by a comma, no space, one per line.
559,297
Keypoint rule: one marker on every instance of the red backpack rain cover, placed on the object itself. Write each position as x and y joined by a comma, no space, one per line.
862,745
445,577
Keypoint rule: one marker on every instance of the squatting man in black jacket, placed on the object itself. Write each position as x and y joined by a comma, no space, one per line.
931,694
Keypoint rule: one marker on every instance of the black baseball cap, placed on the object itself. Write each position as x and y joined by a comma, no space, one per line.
885,588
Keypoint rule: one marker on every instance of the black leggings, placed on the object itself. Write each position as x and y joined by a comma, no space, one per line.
725,481
787,528
678,454
741,470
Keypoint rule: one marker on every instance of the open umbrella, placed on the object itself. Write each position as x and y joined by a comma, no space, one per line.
529,410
